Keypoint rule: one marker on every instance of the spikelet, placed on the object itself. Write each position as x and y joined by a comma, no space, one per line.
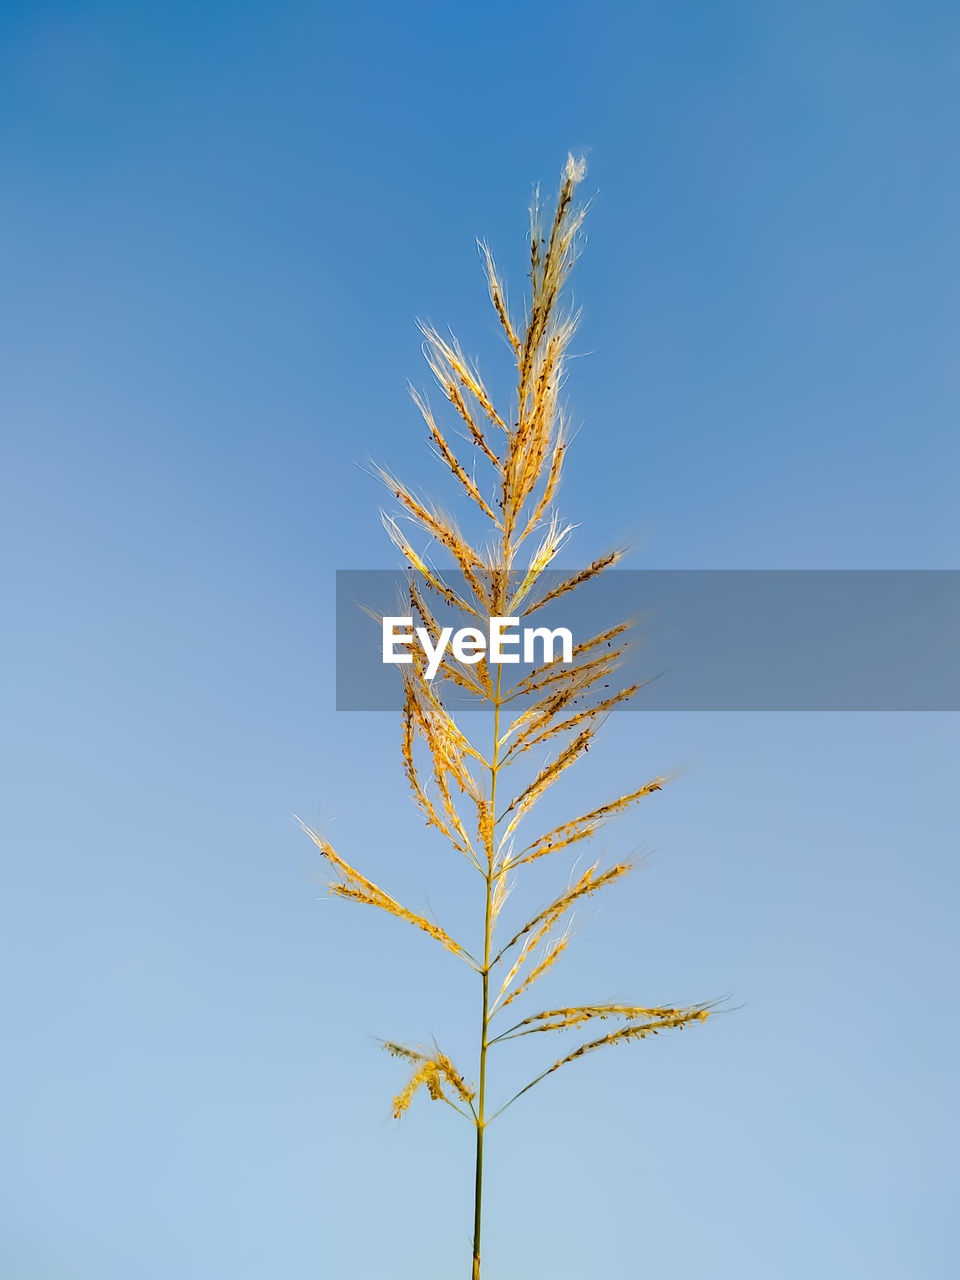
430,1072
450,668
556,694
605,637
552,954
393,908
547,776
538,723
559,450
575,1016
675,1019
498,296
547,551
580,674
403,1051
536,716
426,1074
540,363
501,891
450,458
452,391
578,579
455,740
448,364
485,826
436,524
353,884
584,827
587,833
537,426
517,964
588,884
444,757
565,726
512,973
420,795
454,1078
442,529
549,272
417,563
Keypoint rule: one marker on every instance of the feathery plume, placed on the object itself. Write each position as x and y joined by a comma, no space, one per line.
507,466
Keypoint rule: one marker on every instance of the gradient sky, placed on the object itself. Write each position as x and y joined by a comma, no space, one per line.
219,222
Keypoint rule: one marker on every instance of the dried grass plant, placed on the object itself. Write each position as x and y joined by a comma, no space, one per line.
511,477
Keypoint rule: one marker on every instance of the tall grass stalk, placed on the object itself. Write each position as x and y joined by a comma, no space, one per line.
511,476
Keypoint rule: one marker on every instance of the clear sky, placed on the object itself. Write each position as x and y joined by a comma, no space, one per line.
219,221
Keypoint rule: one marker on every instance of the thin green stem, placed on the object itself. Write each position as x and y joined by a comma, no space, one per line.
485,973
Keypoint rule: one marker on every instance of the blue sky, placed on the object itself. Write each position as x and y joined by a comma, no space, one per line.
219,224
